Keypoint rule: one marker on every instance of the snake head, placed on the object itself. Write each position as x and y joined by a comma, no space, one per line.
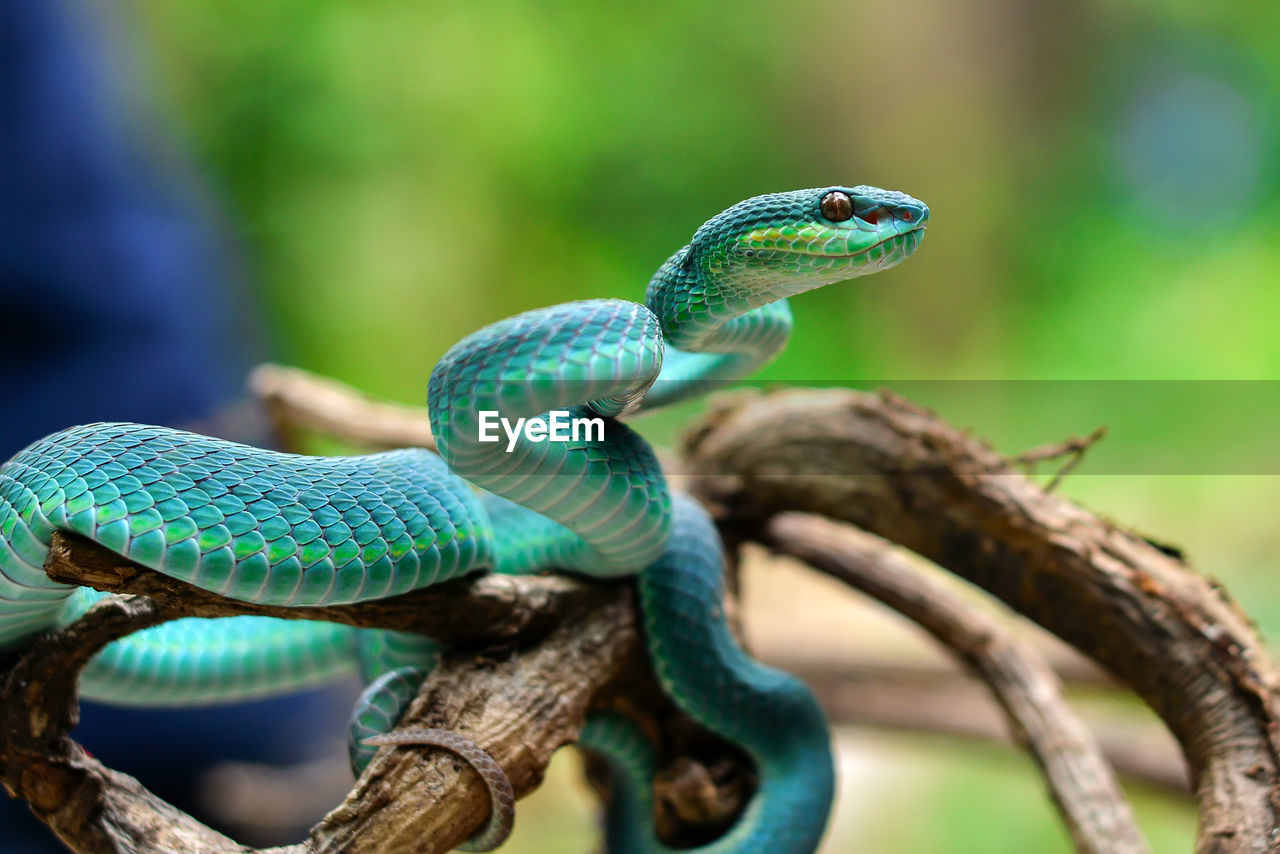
782,244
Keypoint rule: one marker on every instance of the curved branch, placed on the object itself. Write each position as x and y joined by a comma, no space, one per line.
521,701
296,398
520,708
898,471
1079,778
874,460
89,806
1140,752
478,611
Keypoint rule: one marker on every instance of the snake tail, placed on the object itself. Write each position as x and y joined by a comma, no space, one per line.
381,706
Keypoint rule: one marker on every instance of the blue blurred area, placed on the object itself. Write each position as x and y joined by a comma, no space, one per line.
1194,136
115,299
111,281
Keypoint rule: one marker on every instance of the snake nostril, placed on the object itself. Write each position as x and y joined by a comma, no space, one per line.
906,215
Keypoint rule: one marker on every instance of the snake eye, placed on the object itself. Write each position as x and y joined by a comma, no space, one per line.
836,206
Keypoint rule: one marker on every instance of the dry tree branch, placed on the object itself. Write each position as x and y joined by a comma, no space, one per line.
479,611
872,666
296,398
1073,448
898,471
1079,779
560,642
861,688
521,708
1139,751
89,806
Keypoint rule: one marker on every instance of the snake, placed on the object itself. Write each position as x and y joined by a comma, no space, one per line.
289,530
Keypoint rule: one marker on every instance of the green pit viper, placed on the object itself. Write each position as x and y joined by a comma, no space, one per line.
282,529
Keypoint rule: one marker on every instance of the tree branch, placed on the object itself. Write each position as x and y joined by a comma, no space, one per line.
871,666
479,611
898,471
1080,781
89,806
1138,751
520,704
296,398
520,708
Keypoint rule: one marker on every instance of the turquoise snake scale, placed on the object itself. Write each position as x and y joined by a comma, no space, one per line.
282,529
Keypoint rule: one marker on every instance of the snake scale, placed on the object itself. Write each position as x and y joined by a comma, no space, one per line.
282,529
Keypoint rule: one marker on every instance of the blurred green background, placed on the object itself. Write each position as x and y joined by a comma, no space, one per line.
1102,178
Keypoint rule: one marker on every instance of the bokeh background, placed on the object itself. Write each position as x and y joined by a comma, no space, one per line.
386,177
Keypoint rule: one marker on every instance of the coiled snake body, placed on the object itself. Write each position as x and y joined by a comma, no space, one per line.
282,529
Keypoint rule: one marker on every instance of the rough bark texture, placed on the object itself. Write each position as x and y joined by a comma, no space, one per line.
89,806
1079,778
483,611
898,471
553,643
297,399
1139,752
520,708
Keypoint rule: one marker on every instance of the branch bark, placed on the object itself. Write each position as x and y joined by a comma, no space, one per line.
1080,780
553,644
1141,752
482,611
520,708
89,806
898,471
295,398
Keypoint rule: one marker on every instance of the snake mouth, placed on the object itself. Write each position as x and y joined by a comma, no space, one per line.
917,231
816,250
804,242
